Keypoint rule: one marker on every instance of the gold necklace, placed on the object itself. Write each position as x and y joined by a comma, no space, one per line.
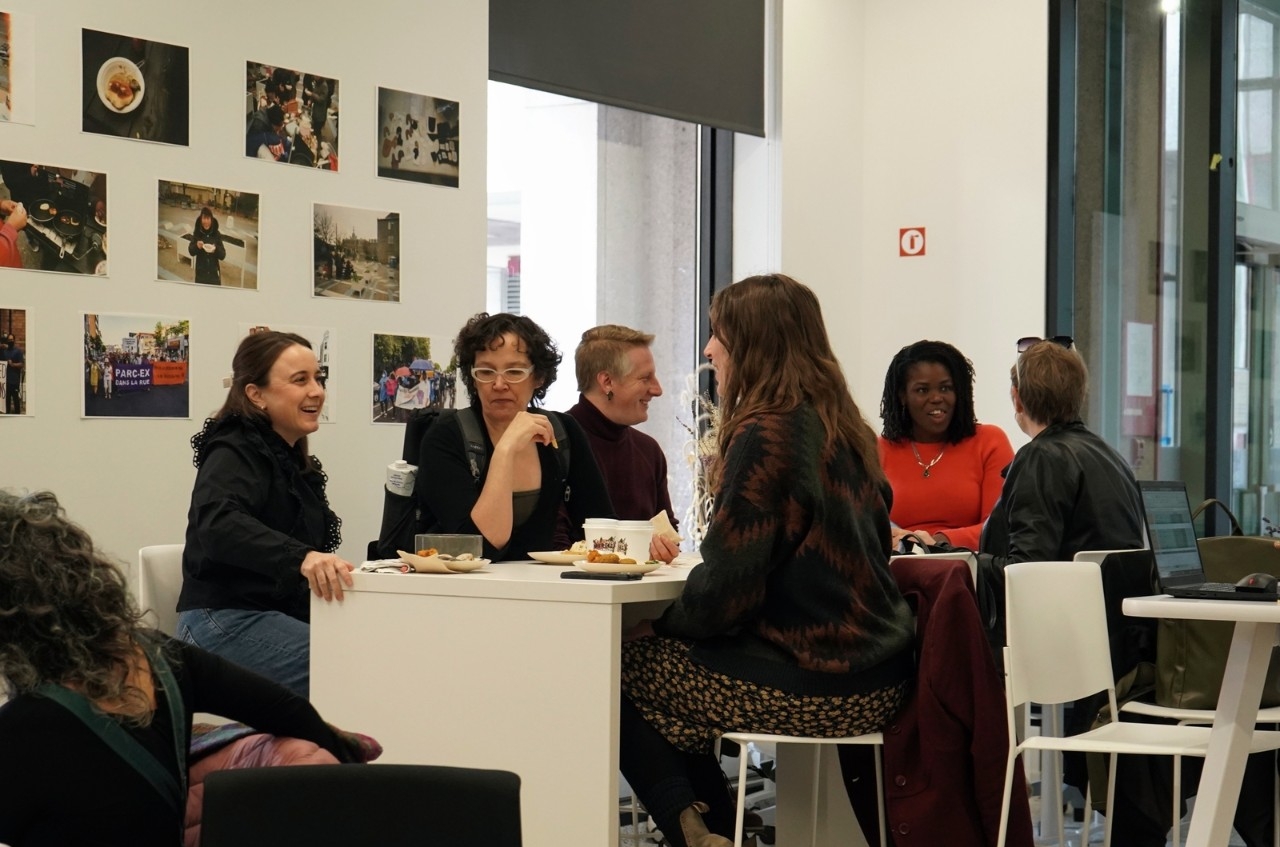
934,461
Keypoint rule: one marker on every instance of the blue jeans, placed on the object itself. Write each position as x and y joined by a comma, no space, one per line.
271,644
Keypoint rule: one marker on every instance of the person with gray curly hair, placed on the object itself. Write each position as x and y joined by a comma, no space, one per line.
94,738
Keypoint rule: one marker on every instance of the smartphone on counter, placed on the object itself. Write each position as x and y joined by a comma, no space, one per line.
617,577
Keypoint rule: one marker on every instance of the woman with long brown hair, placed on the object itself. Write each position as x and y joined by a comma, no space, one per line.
792,624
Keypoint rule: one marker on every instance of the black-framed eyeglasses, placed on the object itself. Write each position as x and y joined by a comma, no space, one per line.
1026,343
509,375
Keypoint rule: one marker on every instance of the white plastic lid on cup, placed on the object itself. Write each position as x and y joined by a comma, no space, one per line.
633,539
601,534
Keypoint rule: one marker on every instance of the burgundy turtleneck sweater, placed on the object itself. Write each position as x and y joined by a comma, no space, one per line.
632,463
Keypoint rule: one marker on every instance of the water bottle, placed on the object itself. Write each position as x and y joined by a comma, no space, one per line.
400,477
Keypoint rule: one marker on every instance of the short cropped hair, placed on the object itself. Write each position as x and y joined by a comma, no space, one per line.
1052,382
606,348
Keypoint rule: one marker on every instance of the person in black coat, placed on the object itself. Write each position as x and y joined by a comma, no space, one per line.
206,249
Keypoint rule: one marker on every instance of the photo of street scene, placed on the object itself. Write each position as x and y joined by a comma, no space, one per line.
321,340
135,366
291,117
405,377
207,236
135,88
357,253
17,69
60,215
417,137
14,367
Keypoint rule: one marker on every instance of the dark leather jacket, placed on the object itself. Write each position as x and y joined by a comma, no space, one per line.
1066,491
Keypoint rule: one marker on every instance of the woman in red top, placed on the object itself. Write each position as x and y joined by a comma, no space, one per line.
946,469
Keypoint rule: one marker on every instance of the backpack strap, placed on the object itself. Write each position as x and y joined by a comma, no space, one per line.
473,442
128,748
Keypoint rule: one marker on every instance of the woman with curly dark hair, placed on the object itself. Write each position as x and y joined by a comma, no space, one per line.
93,740
927,409
260,532
507,363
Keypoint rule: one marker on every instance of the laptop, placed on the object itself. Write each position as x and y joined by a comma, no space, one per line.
1173,546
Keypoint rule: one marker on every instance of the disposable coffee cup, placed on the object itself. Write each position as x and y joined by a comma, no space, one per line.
601,534
633,539
400,477
451,545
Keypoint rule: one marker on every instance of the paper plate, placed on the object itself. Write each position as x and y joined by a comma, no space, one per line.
555,557
434,564
606,567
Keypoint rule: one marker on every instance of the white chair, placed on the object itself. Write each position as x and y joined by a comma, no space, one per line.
875,739
159,583
1047,605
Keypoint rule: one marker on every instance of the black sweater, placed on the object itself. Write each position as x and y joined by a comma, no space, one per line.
256,512
61,785
446,492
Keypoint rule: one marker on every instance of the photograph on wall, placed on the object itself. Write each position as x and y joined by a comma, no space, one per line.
207,235
135,366
13,362
356,253
406,376
17,69
291,117
321,339
417,137
135,88
55,219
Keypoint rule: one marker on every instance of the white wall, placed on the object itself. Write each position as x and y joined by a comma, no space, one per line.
129,481
898,113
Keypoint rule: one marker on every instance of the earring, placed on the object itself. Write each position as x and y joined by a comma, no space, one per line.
609,396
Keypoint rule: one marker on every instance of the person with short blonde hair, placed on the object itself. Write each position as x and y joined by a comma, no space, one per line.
1052,382
617,379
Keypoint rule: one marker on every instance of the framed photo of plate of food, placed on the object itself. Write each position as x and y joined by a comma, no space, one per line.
135,88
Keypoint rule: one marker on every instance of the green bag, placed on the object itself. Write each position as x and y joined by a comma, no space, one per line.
1191,655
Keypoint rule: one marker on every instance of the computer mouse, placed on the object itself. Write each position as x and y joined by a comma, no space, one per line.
1260,582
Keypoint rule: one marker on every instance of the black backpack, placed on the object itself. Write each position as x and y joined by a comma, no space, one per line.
401,515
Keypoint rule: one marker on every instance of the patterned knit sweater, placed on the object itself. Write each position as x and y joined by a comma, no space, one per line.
794,590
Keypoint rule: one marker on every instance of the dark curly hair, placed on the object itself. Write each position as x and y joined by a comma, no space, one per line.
485,331
893,411
66,616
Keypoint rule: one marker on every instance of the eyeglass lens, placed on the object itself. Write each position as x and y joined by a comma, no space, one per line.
508,375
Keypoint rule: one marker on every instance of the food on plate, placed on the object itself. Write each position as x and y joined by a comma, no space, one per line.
579,547
44,207
663,528
429,551
461,557
122,87
609,558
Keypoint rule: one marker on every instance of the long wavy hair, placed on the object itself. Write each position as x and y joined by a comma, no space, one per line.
893,410
66,616
251,365
780,359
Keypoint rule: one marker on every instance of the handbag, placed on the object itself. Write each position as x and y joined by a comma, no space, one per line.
1191,655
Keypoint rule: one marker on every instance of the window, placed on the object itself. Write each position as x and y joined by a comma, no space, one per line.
593,219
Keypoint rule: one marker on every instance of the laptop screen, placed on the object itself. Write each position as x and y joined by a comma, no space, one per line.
1171,532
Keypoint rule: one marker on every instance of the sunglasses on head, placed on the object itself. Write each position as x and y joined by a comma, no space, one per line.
1025,344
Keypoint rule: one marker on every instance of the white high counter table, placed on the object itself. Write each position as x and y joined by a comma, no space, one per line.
1256,628
511,668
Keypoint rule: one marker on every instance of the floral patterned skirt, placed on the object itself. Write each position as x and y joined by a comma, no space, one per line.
691,706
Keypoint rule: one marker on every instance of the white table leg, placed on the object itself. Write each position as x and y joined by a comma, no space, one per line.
1233,724
836,822
530,687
